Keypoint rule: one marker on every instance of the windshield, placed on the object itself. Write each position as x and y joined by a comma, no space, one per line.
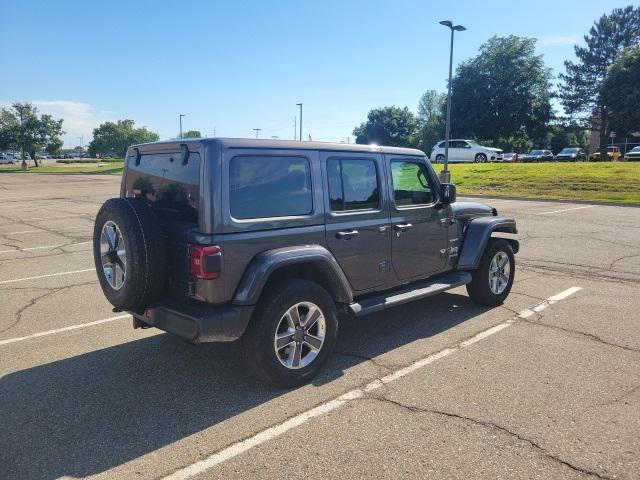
569,150
535,152
472,143
635,149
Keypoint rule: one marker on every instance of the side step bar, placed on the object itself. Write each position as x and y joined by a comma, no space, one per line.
408,294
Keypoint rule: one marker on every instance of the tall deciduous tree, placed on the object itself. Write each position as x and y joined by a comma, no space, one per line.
431,120
22,127
192,134
113,138
502,93
581,92
621,92
393,126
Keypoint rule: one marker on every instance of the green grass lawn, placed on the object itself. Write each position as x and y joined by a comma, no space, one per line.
77,168
606,181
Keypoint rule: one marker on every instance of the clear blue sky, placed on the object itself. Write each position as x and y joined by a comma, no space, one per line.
239,65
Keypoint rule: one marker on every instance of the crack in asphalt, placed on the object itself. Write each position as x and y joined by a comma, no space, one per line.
375,361
487,424
34,300
590,336
615,400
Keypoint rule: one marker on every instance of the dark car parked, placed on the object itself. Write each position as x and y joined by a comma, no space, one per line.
537,156
632,155
571,154
265,241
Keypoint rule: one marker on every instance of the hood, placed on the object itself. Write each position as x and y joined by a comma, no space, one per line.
493,148
462,210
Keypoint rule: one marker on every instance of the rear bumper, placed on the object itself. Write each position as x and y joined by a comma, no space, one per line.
196,323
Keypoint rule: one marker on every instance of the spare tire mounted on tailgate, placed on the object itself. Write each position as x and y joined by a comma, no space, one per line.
129,253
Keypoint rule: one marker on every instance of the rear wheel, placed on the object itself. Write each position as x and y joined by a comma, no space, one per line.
492,280
293,331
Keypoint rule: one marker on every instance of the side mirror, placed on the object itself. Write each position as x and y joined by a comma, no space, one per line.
447,193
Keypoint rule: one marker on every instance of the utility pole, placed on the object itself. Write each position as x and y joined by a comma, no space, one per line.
257,130
295,128
445,175
300,105
181,115
214,131
81,137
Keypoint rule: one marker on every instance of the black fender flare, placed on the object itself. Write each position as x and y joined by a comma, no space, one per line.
477,235
265,263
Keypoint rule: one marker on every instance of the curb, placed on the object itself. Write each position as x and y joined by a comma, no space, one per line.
552,200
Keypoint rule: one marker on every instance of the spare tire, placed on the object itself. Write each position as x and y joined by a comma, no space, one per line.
129,253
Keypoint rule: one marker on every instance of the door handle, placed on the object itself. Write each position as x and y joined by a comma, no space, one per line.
346,235
402,227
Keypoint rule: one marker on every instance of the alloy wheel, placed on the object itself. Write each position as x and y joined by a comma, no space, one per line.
499,272
113,255
300,335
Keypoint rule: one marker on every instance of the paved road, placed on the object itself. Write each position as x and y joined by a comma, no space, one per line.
439,388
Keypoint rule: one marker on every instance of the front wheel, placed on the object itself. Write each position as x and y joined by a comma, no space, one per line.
440,159
492,280
292,333
481,158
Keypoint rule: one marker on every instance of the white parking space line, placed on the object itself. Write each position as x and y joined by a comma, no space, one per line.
33,219
273,432
549,301
566,210
44,247
64,329
24,279
42,229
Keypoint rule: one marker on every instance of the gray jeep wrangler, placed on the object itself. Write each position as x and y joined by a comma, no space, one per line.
216,240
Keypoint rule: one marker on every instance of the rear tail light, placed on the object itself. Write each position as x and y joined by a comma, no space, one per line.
205,261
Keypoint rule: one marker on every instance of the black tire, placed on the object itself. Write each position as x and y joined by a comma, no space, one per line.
479,289
481,158
145,267
439,158
259,340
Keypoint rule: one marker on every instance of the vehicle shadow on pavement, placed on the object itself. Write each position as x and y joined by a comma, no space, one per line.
90,413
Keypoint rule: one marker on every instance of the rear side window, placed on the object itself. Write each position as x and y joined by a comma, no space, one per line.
162,179
353,184
269,186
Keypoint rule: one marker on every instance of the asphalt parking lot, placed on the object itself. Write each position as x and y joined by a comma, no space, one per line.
547,386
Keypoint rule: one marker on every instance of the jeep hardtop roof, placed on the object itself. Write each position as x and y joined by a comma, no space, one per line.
281,145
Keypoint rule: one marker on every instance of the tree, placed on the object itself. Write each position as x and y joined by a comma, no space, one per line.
563,135
22,127
192,134
621,92
502,93
581,91
431,120
393,126
113,138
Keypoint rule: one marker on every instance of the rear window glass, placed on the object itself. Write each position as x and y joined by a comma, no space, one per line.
162,179
353,184
269,186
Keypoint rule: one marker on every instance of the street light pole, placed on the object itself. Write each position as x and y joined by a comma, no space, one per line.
181,115
300,105
257,130
445,175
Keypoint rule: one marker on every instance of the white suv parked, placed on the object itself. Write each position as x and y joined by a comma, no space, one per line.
466,151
